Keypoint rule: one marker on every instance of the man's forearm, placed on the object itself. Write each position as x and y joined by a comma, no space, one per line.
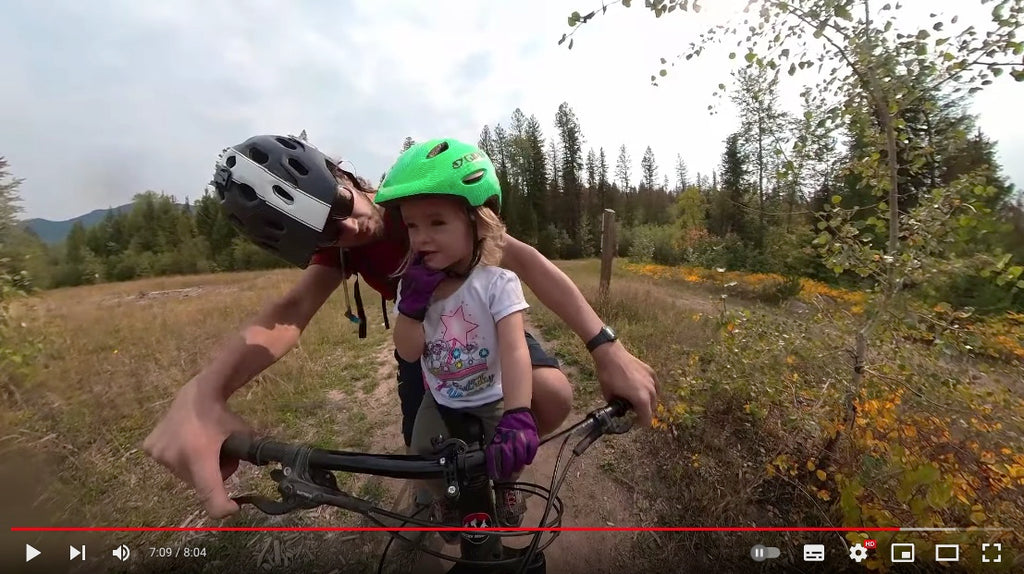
247,354
555,290
409,338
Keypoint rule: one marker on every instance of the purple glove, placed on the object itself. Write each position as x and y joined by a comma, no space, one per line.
418,284
514,445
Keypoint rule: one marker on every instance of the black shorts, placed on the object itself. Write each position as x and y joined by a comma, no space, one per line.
411,389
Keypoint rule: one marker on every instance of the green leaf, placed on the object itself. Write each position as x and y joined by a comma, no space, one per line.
663,72
625,3
562,41
836,199
792,69
1014,272
732,55
923,34
570,44
822,224
721,86
750,57
1020,284
843,13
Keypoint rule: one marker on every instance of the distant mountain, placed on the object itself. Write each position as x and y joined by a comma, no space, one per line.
55,231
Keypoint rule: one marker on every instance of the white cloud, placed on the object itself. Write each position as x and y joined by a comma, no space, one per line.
106,99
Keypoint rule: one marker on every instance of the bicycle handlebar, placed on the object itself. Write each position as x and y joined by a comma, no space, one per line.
263,451
306,480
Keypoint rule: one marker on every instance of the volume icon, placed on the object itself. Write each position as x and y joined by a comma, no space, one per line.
121,553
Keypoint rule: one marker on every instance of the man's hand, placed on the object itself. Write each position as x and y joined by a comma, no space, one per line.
187,441
623,375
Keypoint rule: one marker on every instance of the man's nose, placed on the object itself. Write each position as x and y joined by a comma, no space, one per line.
347,228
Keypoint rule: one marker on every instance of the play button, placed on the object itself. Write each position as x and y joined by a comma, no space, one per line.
30,552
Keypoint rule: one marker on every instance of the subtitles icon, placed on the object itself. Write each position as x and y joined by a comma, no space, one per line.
992,552
122,552
814,552
902,552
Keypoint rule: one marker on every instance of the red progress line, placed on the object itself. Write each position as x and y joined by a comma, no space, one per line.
426,529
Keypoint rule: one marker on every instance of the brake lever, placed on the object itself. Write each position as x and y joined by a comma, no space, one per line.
303,488
601,422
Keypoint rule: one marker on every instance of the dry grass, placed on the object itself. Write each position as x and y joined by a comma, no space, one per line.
115,354
113,358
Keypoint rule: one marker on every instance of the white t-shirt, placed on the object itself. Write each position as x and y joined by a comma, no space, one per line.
460,361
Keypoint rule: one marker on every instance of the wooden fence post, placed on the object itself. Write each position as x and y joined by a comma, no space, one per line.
608,246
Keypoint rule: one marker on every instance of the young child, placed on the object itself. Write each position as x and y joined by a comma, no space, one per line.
460,315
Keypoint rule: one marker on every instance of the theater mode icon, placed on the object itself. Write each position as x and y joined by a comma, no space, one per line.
947,552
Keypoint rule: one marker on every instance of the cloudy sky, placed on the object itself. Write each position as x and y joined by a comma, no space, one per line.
106,98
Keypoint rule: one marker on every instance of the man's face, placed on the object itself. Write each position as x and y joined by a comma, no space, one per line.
364,225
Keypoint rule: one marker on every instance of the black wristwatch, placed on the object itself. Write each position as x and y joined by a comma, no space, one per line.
605,335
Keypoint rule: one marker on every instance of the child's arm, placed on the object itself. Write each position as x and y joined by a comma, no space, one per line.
516,371
409,338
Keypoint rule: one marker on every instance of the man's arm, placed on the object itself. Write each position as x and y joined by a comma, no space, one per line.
409,338
619,373
187,440
269,336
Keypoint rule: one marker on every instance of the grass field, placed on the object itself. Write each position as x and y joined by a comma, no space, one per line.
751,396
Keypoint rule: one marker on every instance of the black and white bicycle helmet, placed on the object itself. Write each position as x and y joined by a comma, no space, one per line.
278,192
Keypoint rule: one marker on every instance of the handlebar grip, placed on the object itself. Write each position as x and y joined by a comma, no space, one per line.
239,446
619,406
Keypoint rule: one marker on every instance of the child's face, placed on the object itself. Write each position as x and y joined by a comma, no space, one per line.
439,228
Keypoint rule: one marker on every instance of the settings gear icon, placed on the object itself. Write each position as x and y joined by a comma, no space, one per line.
858,552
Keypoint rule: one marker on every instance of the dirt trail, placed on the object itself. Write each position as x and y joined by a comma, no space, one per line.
591,498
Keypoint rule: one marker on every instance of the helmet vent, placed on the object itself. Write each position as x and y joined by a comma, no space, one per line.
438,150
297,166
230,162
258,155
248,193
287,143
474,177
280,192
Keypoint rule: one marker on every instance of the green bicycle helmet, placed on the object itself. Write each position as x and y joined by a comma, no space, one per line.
442,166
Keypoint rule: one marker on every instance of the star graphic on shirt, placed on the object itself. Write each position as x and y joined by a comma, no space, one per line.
456,327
